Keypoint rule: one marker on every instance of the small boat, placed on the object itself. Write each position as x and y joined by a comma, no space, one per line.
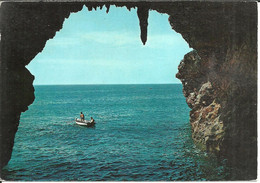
85,122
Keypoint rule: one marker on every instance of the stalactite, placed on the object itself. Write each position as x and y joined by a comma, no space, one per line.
89,7
143,13
129,8
107,6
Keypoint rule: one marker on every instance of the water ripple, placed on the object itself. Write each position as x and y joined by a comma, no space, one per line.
140,135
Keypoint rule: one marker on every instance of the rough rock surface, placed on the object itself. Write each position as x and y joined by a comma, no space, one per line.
217,112
220,80
207,127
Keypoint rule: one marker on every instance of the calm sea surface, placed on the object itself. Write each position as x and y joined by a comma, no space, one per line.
142,133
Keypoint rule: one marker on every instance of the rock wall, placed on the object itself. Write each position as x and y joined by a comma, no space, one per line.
207,127
219,78
220,84
25,28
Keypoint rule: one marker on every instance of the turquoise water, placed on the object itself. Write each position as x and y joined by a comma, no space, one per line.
142,133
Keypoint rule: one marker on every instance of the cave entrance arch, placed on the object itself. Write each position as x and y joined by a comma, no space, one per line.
200,26
153,42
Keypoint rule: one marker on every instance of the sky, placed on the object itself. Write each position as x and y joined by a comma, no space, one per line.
94,47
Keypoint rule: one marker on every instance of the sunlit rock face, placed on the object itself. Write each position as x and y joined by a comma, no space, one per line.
207,128
219,78
223,110
220,82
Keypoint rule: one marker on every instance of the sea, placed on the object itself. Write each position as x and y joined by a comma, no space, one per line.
142,133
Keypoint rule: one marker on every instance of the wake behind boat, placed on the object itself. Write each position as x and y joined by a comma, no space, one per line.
87,123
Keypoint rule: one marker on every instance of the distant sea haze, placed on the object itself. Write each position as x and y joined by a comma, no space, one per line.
142,133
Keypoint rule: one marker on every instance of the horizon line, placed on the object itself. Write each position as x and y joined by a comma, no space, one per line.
105,84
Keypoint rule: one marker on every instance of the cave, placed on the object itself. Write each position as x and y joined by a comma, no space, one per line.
219,77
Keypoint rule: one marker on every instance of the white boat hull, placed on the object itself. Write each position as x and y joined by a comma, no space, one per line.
84,122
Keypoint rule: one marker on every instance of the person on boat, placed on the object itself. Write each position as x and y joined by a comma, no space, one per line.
82,117
92,120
